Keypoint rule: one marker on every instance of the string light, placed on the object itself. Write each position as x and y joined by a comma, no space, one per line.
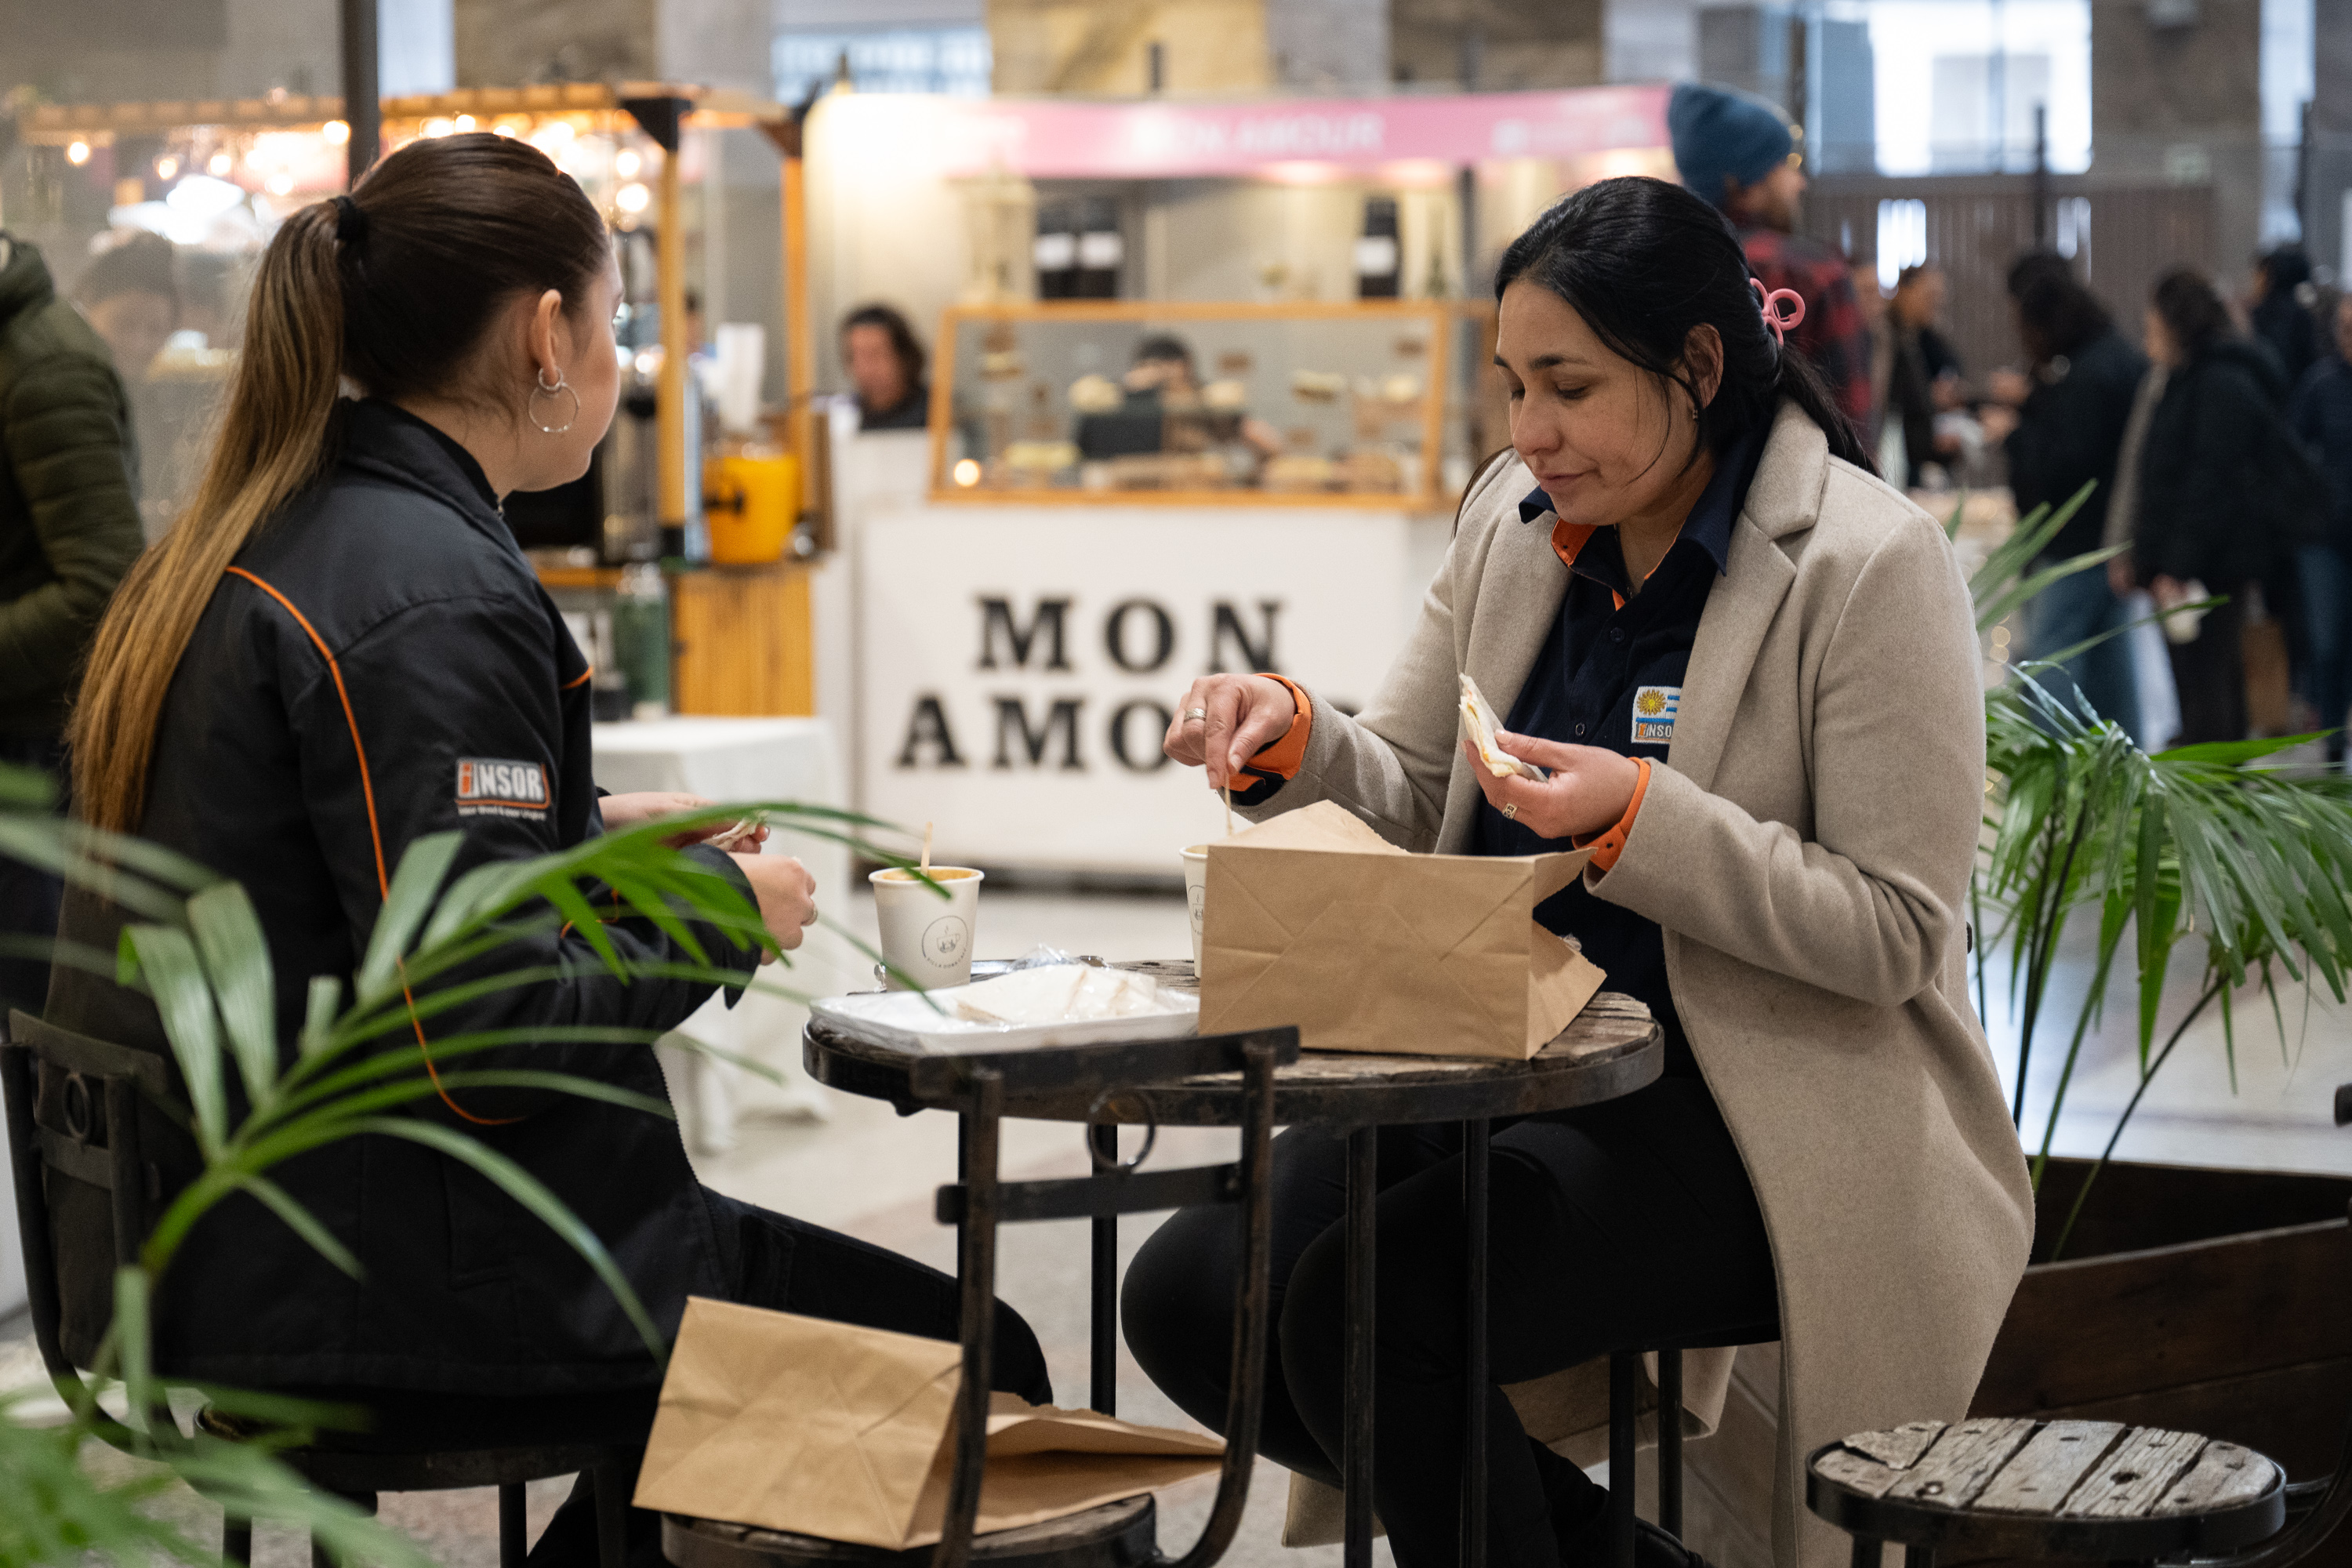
335,133
219,164
77,152
632,198
167,167
625,163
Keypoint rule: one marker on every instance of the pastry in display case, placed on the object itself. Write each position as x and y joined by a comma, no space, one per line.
1100,401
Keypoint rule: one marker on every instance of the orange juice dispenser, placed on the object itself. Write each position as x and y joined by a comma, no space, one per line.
751,502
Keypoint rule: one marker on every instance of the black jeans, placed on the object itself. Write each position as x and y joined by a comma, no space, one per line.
776,1261
29,899
1626,1225
2210,674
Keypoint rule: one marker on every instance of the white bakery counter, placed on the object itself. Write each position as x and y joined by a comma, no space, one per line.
1015,667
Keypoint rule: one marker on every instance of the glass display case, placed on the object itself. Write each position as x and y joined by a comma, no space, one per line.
1130,401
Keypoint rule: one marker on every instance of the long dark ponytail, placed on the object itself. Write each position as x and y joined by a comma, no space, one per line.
1644,262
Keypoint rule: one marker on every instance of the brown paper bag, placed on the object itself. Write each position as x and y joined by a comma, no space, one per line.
848,1434
1315,920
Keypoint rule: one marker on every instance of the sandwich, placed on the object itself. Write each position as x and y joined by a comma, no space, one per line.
1479,721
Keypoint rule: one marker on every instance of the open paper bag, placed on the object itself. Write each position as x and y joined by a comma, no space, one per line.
1315,920
848,1434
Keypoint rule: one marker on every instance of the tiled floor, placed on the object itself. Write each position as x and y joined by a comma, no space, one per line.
868,1172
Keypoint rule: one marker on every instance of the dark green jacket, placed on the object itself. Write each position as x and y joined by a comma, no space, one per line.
69,506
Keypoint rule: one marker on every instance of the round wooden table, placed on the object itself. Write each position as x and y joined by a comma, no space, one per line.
1614,1047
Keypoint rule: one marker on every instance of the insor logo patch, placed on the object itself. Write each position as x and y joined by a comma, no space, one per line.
1654,713
487,786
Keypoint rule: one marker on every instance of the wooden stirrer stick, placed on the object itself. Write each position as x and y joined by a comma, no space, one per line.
927,849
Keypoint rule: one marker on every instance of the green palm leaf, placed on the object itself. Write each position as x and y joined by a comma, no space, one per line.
532,1194
166,962
236,956
301,1222
406,904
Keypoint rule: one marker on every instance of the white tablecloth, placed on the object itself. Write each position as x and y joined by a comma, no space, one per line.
743,760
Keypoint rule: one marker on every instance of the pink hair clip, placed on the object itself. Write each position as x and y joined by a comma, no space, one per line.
1770,302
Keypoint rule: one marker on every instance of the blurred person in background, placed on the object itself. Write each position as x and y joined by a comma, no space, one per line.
2278,314
69,530
1878,341
2221,494
1923,376
2071,408
885,364
131,295
2322,417
1164,407
1739,154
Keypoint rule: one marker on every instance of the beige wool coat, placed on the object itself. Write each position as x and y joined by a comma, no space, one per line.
1806,849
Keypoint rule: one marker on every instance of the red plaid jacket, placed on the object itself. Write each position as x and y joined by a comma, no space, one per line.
1832,337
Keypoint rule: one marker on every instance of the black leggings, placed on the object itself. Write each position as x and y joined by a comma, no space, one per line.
1626,1225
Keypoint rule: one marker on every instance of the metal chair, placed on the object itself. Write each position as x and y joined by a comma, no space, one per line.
96,1087
1120,1534
1624,1411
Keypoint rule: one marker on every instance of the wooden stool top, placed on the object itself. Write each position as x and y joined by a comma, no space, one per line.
2014,1486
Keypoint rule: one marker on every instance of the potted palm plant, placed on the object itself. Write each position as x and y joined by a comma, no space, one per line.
199,951
2160,1295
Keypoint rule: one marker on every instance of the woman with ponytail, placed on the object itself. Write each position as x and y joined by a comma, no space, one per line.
1742,673
338,650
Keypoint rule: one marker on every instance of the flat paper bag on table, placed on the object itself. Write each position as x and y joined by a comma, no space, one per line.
1315,920
848,1434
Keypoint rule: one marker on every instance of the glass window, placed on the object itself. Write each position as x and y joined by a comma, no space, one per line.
1957,82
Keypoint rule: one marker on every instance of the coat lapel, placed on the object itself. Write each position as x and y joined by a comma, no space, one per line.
1518,599
1519,590
1784,497
1730,631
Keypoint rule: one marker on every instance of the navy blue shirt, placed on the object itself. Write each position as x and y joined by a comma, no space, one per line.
1611,674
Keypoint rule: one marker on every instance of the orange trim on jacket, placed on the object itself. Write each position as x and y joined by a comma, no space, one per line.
1569,540
375,834
1611,841
1280,758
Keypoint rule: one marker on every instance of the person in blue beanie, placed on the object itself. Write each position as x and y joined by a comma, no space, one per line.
1739,152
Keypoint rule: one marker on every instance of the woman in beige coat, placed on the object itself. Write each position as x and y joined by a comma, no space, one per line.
1746,671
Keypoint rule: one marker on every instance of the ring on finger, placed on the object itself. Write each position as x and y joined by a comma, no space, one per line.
811,918
1511,812
1200,715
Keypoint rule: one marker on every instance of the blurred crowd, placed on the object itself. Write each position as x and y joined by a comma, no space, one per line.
2218,453
2213,459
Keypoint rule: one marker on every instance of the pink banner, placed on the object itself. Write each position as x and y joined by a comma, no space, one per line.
1045,139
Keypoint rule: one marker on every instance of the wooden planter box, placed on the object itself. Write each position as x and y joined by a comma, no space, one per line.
2216,1301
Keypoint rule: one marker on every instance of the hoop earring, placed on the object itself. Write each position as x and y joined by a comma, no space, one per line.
539,389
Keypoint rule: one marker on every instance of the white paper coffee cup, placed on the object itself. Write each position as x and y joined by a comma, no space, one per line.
1196,890
927,938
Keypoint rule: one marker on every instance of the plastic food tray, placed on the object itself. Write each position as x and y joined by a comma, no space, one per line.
910,1021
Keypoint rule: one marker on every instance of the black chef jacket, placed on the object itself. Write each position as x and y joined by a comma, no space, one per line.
1611,674
472,701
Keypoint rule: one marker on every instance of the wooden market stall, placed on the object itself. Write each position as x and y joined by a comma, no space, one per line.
743,644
